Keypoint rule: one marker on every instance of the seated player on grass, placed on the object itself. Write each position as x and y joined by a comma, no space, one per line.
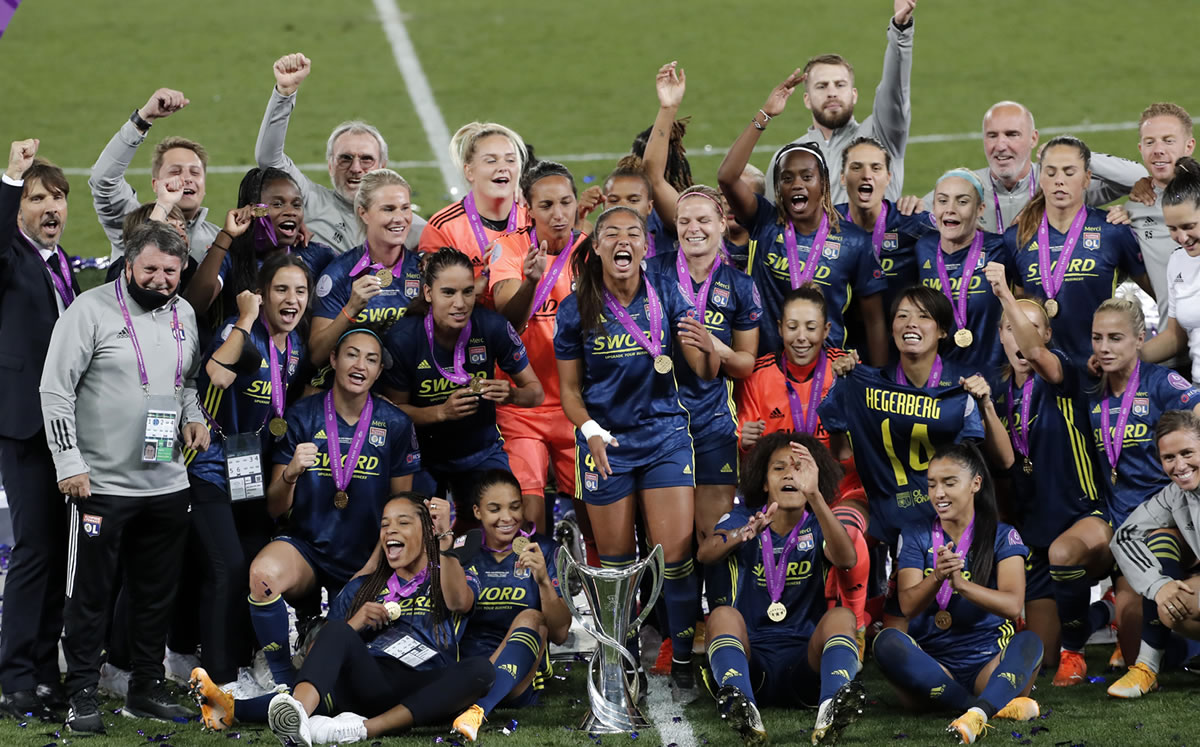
961,583
777,643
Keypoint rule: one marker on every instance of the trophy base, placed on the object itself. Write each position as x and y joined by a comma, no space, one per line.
633,721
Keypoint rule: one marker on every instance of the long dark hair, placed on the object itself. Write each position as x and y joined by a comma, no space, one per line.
589,271
754,476
377,580
242,253
1030,217
491,479
432,266
678,171
810,292
983,536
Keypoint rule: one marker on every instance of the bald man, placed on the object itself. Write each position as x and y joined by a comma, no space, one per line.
1010,178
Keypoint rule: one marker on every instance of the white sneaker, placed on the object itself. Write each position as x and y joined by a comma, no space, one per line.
179,666
115,681
344,728
289,721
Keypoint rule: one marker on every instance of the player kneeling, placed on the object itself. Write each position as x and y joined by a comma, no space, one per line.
961,582
777,631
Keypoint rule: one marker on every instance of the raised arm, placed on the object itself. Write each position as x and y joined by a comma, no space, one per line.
1113,177
20,158
1029,340
290,71
206,283
892,109
671,82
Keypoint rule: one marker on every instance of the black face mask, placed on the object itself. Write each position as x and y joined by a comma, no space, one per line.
147,299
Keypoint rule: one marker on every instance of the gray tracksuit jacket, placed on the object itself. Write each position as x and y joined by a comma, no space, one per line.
1171,508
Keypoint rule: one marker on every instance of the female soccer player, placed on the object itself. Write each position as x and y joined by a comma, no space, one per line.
444,356
961,583
519,611
331,490
614,344
628,186
952,261
866,175
898,416
530,276
389,650
244,386
1067,253
776,630
1062,509
802,239
1181,212
492,158
277,216
373,284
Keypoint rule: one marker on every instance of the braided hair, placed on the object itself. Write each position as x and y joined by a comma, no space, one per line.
377,579
243,256
678,172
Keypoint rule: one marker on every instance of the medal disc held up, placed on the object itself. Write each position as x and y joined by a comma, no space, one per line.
663,364
1028,466
278,427
385,277
963,338
777,611
476,386
1051,307
340,500
943,620
519,544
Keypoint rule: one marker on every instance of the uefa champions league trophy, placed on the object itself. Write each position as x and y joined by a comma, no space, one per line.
611,594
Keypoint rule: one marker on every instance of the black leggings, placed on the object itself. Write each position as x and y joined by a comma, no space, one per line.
348,677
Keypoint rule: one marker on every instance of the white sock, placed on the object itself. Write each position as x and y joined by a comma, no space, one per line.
1149,656
980,712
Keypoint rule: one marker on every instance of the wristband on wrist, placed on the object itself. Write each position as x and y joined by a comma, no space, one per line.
592,428
284,476
347,315
766,117
138,122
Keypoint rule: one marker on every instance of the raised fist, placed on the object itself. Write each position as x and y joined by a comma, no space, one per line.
162,103
290,71
20,157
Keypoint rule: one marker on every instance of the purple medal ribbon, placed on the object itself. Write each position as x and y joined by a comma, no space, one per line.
457,375
476,222
653,344
935,374
804,420
996,199
959,304
1112,444
546,284
879,229
1052,281
340,473
1020,432
397,591
649,245
61,284
800,277
278,382
700,300
776,575
938,537
264,232
365,261
176,332
506,548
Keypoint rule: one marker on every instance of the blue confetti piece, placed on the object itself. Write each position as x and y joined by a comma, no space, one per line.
633,735
22,724
1046,715
1096,680
512,724
589,179
1017,735
676,719
234,735
438,740
180,720
1037,730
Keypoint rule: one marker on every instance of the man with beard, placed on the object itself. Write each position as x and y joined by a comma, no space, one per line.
353,149
36,286
830,95
119,403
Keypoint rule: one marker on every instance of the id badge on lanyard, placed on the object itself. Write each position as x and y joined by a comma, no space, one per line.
162,427
243,466
403,647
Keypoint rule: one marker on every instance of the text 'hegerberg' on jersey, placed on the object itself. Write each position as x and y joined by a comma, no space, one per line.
733,304
343,538
894,430
504,594
847,268
493,341
621,389
334,287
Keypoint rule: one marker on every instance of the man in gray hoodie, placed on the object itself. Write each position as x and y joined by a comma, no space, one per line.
119,404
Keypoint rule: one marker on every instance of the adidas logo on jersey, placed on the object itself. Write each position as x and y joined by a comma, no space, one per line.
776,413
123,334
726,468
687,470
423,364
730,673
926,265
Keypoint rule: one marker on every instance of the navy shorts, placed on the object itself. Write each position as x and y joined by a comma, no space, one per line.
670,469
328,577
717,461
965,669
1037,575
780,675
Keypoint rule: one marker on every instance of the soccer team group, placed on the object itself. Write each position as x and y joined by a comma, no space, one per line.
857,423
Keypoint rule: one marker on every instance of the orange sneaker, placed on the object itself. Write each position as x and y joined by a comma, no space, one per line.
1072,669
216,705
1117,660
662,665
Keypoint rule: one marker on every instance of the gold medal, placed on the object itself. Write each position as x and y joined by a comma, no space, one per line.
385,277
963,338
1051,308
476,386
662,364
776,612
519,544
1113,476
393,610
259,211
340,499
1028,466
278,427
943,620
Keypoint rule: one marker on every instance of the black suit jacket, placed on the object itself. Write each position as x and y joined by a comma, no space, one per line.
27,316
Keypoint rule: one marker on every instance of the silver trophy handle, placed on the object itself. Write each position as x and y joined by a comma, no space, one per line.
656,562
566,565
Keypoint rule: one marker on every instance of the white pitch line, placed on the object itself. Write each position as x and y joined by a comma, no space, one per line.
662,710
954,137
420,92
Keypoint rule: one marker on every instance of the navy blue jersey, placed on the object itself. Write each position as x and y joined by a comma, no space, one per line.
804,588
732,305
1103,254
847,268
896,255
894,430
1067,483
986,354
416,620
662,235
974,631
245,407
333,288
621,390
316,256
493,341
342,539
504,594
1139,473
